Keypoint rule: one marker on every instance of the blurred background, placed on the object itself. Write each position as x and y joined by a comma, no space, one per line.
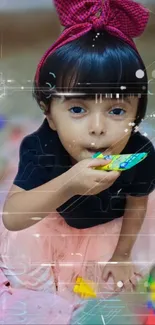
27,29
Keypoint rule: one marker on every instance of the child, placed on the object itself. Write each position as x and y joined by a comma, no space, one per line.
92,87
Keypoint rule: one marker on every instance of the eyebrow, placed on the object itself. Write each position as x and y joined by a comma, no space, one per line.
86,97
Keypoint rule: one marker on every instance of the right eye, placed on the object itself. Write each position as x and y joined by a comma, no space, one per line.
77,110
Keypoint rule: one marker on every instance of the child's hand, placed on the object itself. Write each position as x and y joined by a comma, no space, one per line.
84,180
123,273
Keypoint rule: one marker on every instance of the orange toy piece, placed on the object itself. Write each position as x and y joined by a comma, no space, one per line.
84,289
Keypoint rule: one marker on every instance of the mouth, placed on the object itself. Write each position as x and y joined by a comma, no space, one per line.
93,151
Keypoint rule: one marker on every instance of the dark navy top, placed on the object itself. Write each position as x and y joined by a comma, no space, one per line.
42,158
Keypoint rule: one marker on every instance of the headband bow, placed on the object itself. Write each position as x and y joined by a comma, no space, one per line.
125,19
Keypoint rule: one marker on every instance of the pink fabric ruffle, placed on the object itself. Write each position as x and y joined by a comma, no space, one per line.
23,306
50,255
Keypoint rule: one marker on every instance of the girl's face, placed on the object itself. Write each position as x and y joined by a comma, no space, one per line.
86,127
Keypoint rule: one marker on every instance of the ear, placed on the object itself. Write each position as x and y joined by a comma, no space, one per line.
43,107
48,116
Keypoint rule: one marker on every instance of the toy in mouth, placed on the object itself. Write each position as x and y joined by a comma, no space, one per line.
94,151
120,162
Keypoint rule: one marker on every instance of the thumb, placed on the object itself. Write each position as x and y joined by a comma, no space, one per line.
97,162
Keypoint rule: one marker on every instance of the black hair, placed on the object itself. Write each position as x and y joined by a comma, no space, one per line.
95,63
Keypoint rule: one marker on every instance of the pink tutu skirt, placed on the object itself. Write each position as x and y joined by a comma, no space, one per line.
50,255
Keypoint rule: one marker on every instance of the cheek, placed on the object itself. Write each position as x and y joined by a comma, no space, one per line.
119,130
69,139
69,132
120,133
66,133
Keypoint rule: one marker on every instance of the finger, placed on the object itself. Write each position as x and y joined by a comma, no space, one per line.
128,286
106,273
98,162
103,176
138,273
112,175
109,178
133,286
134,281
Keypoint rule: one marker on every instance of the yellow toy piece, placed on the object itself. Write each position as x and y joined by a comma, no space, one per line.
120,162
152,286
107,167
152,296
84,289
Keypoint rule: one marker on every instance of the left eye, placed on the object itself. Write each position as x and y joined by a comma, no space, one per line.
77,110
117,111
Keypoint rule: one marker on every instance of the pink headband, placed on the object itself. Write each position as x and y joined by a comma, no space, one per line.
125,19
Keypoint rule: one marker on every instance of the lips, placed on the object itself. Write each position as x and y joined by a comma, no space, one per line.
94,150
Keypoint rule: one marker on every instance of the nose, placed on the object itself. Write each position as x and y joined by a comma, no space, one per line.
97,124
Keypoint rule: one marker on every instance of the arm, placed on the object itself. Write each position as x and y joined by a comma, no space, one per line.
137,198
21,207
132,221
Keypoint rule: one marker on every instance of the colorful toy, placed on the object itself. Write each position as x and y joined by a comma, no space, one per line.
83,288
151,301
120,162
151,290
